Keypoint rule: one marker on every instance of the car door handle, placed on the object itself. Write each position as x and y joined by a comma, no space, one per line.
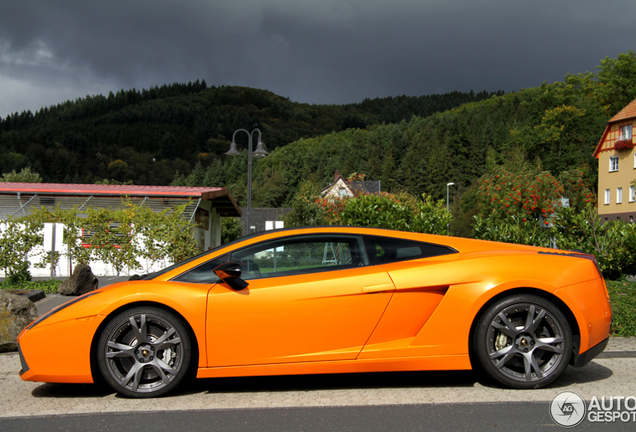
377,288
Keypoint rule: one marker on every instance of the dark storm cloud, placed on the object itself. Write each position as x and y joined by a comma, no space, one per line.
326,51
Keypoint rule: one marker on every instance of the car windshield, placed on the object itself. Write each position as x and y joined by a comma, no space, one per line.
156,274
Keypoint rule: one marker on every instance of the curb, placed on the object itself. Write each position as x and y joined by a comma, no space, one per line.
32,294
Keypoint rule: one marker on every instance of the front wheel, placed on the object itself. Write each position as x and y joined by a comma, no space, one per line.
144,352
522,341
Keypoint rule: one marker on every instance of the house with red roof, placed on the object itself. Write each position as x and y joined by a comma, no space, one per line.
205,207
341,188
617,167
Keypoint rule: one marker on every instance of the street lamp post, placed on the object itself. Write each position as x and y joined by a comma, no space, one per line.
259,153
448,185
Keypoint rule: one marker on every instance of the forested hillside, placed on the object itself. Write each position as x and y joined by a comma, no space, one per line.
177,134
147,136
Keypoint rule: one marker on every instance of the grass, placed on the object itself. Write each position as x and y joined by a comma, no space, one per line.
623,298
48,286
622,295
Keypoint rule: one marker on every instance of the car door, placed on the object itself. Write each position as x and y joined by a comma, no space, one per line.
310,298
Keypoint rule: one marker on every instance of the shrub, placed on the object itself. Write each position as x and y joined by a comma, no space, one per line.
18,238
231,229
612,243
383,210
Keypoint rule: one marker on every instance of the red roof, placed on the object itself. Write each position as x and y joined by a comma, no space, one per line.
222,200
626,113
118,190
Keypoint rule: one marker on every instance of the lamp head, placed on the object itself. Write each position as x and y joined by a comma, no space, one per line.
260,150
233,150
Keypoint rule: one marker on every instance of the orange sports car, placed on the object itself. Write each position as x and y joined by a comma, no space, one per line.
331,300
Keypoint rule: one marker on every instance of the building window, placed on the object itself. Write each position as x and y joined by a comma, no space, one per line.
632,194
634,160
619,195
607,196
626,132
613,163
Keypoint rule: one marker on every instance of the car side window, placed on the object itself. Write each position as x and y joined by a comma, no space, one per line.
204,273
382,250
300,255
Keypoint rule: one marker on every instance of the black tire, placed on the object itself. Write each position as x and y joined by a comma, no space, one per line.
144,352
522,341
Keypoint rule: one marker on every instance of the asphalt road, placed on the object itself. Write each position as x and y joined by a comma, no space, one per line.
470,417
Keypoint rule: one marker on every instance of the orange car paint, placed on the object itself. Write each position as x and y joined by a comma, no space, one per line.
408,315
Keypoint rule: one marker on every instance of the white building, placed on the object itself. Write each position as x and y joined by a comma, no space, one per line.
206,206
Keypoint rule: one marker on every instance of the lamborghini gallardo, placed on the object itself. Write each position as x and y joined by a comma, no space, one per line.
331,300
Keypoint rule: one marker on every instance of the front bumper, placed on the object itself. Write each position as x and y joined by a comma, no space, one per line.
59,352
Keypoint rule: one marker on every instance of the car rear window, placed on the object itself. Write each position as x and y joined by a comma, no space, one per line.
382,250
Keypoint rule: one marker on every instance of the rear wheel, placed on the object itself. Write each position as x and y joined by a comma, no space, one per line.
144,352
523,341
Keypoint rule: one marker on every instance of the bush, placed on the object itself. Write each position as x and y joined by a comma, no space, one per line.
623,299
48,286
383,210
231,229
18,238
612,243
512,230
400,212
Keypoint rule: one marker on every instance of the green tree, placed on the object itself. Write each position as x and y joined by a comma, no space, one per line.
617,82
306,209
24,176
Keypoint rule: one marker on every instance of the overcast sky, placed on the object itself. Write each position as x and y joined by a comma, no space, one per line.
316,51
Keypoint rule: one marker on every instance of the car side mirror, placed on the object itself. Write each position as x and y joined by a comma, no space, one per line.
230,273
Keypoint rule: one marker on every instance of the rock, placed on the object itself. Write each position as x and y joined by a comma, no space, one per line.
16,312
82,281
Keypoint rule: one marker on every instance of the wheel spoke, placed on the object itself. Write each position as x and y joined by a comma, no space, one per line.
162,368
134,374
530,364
141,331
548,344
165,335
160,372
529,318
124,350
166,367
164,342
507,328
168,344
535,323
507,357
501,352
